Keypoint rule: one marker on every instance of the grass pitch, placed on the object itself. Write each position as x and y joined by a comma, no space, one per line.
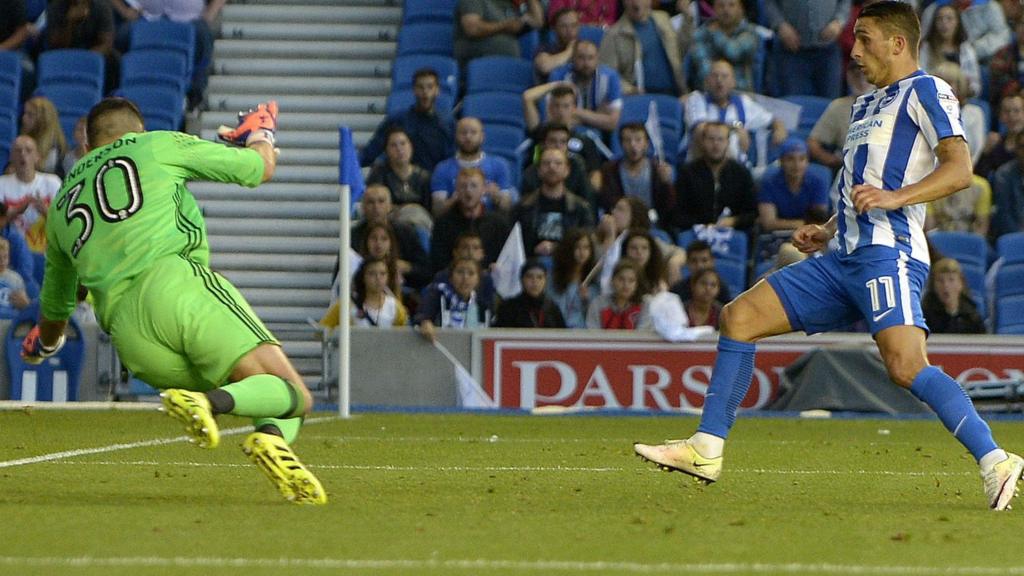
498,495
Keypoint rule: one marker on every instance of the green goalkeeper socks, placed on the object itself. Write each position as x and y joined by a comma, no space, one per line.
264,396
289,429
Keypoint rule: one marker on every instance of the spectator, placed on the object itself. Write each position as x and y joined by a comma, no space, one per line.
640,247
983,20
721,103
408,183
75,154
380,242
573,261
28,193
490,27
431,131
946,41
827,138
703,307
624,308
972,116
469,139
598,87
638,174
601,13
551,55
558,136
411,259
86,24
789,192
1005,69
21,260
531,308
806,54
630,213
15,29
13,296
470,245
41,122
562,109
468,214
726,37
684,23
969,210
454,304
1001,147
715,189
1008,195
644,49
546,213
699,257
373,302
947,305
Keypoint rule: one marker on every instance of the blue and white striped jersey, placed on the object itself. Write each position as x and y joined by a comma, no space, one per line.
890,144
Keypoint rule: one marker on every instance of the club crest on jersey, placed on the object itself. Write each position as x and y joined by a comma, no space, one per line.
889,99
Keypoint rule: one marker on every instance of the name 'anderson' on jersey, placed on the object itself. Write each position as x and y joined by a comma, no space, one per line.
890,144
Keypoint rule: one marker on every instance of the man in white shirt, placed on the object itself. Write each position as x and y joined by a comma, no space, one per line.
28,193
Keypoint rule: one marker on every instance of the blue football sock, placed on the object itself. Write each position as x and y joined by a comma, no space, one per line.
730,380
949,401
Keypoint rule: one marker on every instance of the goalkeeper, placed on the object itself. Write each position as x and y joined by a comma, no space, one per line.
125,226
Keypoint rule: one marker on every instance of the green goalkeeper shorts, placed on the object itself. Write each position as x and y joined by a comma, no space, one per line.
182,325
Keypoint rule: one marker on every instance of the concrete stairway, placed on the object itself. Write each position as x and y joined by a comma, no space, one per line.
326,62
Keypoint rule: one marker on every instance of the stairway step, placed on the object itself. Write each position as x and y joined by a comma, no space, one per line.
228,48
302,348
243,279
288,120
307,85
299,103
273,297
307,139
326,11
270,210
251,244
289,313
310,30
283,226
276,262
291,67
271,191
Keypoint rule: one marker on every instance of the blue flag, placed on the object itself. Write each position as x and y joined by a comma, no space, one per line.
348,166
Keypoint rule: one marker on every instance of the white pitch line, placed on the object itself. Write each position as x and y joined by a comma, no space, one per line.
56,456
478,565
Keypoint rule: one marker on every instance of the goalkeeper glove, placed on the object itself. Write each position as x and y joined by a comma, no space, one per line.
33,351
257,125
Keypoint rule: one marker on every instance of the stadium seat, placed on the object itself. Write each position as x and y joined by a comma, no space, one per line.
1009,281
529,42
635,108
404,67
55,379
660,234
434,11
165,35
165,69
71,67
34,9
733,273
402,100
5,154
1010,247
8,128
592,33
10,74
503,137
811,108
515,163
495,107
726,243
425,38
964,247
974,274
72,102
161,109
499,74
1009,313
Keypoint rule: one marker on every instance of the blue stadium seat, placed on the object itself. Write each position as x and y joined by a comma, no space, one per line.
432,11
495,107
1009,281
811,108
8,128
502,136
404,67
726,244
165,35
592,33
10,76
72,102
733,273
71,67
165,69
975,277
515,163
55,379
635,108
5,154
529,42
1009,312
34,9
161,109
660,234
426,38
964,247
498,74
1010,247
38,267
399,101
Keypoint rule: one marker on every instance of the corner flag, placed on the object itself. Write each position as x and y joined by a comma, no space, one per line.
348,167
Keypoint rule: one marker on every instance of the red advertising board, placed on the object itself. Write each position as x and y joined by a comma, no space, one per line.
529,373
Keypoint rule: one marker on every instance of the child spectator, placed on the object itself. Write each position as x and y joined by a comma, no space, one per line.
12,287
703,308
573,260
624,308
531,308
373,302
380,243
947,305
640,247
453,304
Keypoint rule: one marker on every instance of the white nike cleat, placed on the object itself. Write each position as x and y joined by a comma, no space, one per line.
1001,481
681,456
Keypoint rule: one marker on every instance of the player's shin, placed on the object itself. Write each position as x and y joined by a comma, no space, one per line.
286,428
730,380
955,409
259,396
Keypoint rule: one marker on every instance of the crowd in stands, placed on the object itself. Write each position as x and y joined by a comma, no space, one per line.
653,146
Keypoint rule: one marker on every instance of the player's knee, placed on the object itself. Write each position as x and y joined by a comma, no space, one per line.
736,320
903,368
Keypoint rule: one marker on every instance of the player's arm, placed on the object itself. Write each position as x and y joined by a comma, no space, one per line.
256,131
268,153
952,175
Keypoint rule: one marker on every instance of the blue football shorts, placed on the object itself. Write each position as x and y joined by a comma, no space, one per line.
879,284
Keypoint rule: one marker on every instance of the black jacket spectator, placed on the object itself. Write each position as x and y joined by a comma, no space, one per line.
524,311
662,194
414,191
967,320
533,213
432,135
492,227
702,199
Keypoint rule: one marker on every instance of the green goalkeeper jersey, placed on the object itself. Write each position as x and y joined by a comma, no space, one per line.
124,206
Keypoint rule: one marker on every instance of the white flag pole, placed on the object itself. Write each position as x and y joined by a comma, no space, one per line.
344,302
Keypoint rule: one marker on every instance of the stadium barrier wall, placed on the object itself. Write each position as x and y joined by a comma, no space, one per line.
89,388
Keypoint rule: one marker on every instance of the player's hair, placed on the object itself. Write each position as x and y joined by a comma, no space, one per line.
896,19
633,127
562,91
564,258
423,72
111,118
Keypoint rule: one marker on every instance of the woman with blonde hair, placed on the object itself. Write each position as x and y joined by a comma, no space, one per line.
41,122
